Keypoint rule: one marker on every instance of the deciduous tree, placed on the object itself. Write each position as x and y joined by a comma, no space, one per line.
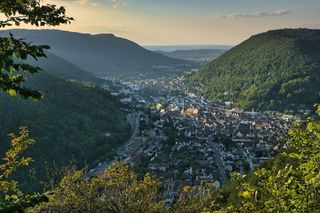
118,189
14,52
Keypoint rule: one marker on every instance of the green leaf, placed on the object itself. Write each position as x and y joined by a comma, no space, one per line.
12,92
246,194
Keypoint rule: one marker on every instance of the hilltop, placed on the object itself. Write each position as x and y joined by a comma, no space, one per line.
102,54
278,70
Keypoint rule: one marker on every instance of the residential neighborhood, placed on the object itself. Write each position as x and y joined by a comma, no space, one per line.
184,139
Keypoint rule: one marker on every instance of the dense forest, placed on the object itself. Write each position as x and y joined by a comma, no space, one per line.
276,70
61,68
70,123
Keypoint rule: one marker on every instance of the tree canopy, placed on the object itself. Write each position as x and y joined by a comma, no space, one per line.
118,189
14,52
13,160
13,73
69,124
276,70
11,198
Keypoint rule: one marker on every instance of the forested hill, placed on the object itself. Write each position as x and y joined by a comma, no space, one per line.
61,68
276,70
102,54
72,122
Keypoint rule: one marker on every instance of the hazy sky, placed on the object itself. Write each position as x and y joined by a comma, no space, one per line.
189,21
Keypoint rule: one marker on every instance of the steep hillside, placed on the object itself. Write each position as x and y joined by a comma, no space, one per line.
276,70
72,122
61,68
102,54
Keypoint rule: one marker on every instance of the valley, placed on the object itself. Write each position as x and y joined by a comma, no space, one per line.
186,117
184,139
177,134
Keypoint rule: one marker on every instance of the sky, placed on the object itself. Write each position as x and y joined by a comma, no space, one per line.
182,22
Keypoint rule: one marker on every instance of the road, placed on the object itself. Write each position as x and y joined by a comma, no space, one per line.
134,120
218,161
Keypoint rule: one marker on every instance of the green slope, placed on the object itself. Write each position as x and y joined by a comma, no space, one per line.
276,70
68,124
61,68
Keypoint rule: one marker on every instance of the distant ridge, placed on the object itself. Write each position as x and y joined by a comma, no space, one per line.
279,70
171,48
201,56
101,54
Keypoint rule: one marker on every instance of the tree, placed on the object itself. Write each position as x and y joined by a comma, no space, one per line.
118,189
11,198
13,73
13,160
203,198
13,52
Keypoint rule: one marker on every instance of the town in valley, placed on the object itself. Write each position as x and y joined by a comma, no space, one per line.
184,139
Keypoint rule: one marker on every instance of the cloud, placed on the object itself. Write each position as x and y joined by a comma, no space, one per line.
95,4
257,14
115,4
81,2
118,4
